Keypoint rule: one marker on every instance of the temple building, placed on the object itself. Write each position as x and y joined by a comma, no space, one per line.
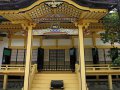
56,45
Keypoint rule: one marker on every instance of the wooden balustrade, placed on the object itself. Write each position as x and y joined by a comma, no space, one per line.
13,69
32,74
77,70
102,70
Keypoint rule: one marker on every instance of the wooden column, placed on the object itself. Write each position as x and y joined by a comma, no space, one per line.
93,39
10,40
41,41
28,59
5,82
72,41
110,82
81,59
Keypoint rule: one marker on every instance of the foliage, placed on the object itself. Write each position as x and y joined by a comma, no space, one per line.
111,24
116,62
113,53
111,35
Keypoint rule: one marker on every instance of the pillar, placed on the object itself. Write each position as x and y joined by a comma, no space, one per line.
5,82
110,82
81,59
28,59
72,41
41,41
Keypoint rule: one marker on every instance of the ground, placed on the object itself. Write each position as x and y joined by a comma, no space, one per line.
102,85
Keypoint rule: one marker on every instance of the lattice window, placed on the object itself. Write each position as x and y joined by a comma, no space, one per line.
57,57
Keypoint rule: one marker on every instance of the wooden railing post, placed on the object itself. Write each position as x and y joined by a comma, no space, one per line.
110,82
5,82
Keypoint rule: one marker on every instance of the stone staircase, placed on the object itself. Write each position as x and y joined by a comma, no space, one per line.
42,80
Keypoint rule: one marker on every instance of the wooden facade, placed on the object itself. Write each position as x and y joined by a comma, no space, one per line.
39,16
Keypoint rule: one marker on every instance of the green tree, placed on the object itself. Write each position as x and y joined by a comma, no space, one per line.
111,23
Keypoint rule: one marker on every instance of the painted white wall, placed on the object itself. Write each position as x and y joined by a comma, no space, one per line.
88,55
36,42
5,42
76,42
52,42
88,41
64,42
17,42
100,42
49,42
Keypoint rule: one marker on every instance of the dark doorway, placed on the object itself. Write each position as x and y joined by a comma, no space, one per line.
73,58
95,56
40,59
6,56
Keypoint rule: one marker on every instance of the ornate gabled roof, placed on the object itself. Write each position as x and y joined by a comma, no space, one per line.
19,4
44,16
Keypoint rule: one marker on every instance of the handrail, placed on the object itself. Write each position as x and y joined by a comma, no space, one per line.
77,70
10,69
32,74
7,68
97,65
12,65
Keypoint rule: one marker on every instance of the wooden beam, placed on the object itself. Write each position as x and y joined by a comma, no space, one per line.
28,59
81,58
